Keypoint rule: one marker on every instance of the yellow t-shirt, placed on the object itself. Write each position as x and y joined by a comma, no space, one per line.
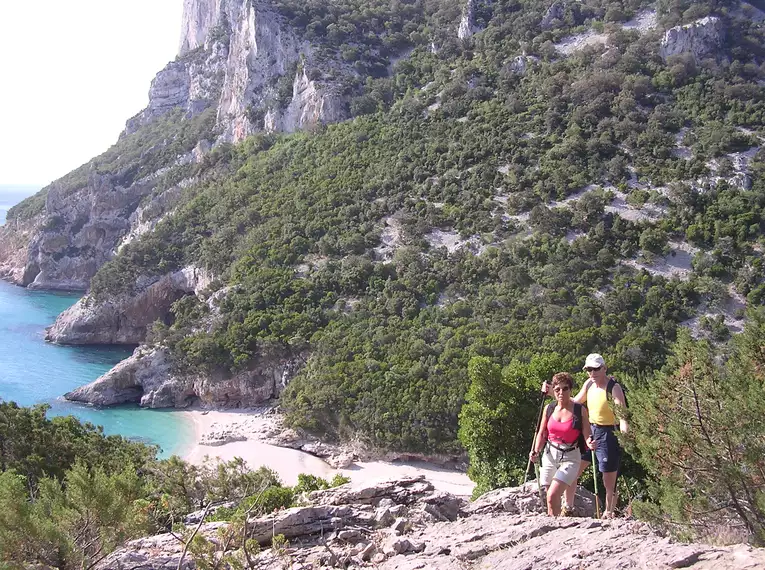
598,407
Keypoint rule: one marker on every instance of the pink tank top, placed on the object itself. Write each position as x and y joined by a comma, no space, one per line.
562,432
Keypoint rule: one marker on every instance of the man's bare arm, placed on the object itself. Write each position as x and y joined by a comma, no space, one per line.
619,400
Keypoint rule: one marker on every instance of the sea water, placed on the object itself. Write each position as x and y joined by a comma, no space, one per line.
33,371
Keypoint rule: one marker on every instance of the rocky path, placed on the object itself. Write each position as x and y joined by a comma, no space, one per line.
407,525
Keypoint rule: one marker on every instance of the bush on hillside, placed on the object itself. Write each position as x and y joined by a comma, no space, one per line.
696,428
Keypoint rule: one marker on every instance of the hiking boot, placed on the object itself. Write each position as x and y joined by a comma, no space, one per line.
567,511
608,515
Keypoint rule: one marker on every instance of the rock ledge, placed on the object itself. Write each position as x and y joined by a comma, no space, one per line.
405,524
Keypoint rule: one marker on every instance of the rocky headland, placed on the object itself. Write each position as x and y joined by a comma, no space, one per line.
233,55
407,524
149,379
126,318
700,39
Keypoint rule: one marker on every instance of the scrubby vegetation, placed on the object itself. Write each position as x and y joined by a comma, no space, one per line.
523,167
694,429
70,495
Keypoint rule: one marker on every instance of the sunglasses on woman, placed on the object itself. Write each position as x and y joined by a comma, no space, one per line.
591,369
562,388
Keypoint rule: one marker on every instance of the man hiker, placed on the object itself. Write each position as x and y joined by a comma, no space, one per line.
597,393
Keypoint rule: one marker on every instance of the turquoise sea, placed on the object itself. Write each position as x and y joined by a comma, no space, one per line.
33,371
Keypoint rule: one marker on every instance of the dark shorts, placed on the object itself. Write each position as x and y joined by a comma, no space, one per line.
608,453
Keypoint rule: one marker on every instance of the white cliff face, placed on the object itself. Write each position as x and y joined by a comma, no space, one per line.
232,54
262,50
199,18
700,38
467,27
193,84
253,50
310,105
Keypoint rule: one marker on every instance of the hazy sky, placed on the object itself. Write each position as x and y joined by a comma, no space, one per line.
71,73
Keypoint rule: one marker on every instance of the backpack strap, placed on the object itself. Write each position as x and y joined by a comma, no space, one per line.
610,389
549,410
587,384
578,423
577,414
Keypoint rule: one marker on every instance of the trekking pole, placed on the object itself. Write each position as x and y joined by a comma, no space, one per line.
540,490
534,439
595,482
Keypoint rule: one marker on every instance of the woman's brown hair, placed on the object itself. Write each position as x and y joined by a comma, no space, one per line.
563,378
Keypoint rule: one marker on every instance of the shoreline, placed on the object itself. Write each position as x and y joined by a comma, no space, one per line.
251,434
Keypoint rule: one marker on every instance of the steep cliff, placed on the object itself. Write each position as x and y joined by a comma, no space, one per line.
237,58
64,245
467,24
14,243
233,54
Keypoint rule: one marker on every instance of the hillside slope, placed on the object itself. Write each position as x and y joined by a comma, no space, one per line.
518,179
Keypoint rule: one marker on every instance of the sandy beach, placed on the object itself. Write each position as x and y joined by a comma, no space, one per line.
245,433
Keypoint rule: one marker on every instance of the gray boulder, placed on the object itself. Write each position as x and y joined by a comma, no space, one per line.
701,38
554,12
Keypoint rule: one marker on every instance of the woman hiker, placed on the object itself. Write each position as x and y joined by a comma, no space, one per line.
562,429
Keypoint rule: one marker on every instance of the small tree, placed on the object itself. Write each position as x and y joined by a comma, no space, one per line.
19,533
499,418
697,429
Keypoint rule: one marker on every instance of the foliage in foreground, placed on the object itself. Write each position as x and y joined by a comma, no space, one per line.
70,495
499,418
697,429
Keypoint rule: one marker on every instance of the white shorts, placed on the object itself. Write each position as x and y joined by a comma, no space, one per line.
560,465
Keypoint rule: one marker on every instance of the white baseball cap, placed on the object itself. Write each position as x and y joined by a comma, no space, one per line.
594,360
